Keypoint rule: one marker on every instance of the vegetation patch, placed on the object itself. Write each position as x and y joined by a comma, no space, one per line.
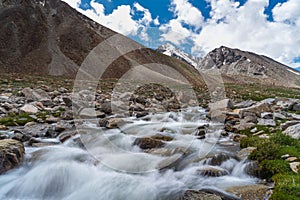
270,153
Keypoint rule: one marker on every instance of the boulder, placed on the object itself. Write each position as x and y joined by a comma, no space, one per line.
244,125
296,107
245,104
237,137
212,171
199,195
257,109
218,159
293,131
287,124
36,95
67,100
221,105
91,113
278,116
250,192
266,115
253,169
111,122
295,166
106,108
244,153
11,154
28,108
266,122
148,143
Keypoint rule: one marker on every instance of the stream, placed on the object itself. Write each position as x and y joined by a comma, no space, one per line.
104,164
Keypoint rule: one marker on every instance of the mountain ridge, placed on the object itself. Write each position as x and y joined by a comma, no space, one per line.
237,65
51,38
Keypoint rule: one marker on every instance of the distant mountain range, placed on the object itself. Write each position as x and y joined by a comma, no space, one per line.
239,66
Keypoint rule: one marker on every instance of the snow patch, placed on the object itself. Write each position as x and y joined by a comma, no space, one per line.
170,50
297,73
248,60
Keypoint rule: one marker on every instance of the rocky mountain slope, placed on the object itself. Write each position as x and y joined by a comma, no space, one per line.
51,38
248,66
239,66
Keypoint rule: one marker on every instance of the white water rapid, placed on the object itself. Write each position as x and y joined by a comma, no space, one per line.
105,165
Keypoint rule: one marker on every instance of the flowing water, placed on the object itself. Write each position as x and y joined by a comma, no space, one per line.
104,163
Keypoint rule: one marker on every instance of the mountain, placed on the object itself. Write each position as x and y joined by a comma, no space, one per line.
243,66
48,37
170,50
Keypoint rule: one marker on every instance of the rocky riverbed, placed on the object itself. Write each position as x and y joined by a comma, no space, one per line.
158,148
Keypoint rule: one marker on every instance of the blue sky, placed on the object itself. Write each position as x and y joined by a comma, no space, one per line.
269,27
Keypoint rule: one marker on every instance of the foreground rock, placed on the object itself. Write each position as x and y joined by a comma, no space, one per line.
11,154
250,192
207,194
148,143
198,195
293,131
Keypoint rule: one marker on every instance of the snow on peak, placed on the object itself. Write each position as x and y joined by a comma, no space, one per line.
170,50
293,71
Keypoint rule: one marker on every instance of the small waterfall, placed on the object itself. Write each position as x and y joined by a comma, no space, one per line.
111,167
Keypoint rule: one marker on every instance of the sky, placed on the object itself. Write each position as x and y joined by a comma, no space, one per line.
268,27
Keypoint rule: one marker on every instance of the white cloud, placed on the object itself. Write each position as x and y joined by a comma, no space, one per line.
121,19
174,32
186,13
288,12
246,27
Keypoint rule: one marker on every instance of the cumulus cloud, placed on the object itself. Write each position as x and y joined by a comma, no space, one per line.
184,14
121,19
246,27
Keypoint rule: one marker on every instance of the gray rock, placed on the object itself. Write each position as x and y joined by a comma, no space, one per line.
278,116
28,108
36,95
257,109
245,104
266,115
106,108
250,192
148,143
266,122
11,154
212,171
244,153
293,131
269,101
198,195
287,124
244,125
67,115
67,101
111,123
296,107
221,105
91,113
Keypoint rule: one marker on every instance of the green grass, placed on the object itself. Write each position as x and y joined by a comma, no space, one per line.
16,120
258,92
273,166
287,187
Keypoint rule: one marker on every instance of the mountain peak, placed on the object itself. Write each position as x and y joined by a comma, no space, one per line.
237,63
170,50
